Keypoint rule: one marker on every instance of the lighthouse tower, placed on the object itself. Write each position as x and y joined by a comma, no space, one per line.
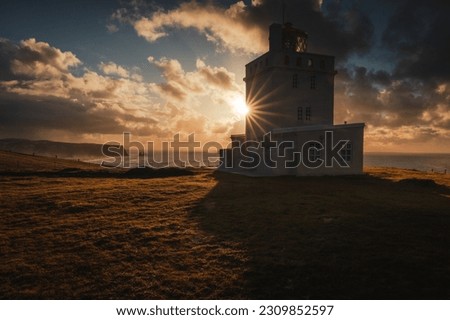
288,86
290,94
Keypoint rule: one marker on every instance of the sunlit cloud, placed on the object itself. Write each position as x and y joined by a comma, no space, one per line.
110,68
216,76
215,82
40,60
224,26
396,112
50,98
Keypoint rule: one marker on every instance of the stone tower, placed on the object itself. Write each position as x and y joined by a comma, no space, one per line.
288,86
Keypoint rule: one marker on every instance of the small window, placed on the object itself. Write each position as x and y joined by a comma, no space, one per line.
308,113
295,81
322,64
346,152
286,60
313,82
310,63
299,62
299,113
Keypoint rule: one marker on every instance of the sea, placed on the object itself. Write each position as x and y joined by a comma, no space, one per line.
436,162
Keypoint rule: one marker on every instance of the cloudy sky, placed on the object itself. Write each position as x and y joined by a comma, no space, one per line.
87,71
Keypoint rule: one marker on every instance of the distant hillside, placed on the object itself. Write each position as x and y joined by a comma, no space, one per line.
18,162
60,149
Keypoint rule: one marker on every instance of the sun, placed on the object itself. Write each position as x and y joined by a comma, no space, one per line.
239,105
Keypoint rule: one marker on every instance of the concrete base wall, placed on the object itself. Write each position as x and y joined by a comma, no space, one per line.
293,155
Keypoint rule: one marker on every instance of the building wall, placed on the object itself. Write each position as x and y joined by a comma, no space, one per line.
353,133
279,83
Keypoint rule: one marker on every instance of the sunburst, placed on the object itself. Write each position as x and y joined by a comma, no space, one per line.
257,118
239,105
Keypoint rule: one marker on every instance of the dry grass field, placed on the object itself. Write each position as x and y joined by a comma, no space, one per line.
65,234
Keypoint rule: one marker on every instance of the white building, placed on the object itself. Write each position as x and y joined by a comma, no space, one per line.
290,128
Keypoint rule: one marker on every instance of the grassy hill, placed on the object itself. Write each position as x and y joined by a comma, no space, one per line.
382,235
17,162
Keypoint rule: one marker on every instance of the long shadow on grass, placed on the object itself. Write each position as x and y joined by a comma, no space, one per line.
356,237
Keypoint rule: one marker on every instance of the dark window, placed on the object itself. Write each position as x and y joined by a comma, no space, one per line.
286,60
322,64
295,81
346,152
313,82
299,113
308,113
299,62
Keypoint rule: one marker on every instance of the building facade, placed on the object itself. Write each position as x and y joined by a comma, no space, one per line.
290,128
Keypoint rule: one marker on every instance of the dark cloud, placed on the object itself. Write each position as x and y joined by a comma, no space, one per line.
333,29
418,33
28,116
7,52
411,102
375,98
